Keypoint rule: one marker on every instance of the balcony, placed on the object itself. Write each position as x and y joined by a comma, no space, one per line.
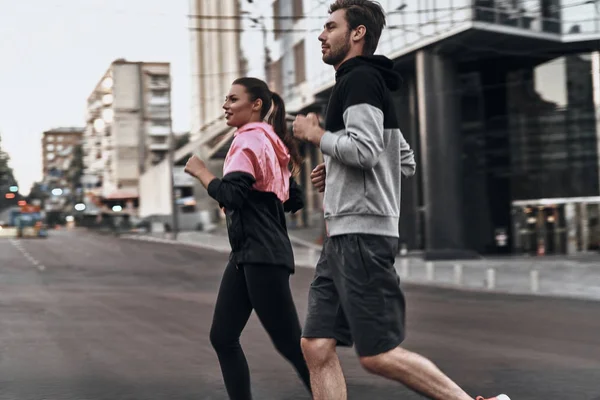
159,146
158,111
157,130
159,98
159,82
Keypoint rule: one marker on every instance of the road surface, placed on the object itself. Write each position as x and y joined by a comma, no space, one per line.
86,317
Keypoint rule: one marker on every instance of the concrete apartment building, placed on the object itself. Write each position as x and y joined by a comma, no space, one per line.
58,151
57,147
216,59
500,102
128,124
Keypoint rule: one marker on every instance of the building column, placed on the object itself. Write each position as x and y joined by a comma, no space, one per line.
407,113
441,155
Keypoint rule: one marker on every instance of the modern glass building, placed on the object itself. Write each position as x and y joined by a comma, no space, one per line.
501,103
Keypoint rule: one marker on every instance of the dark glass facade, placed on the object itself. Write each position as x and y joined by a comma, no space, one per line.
553,131
524,129
527,133
545,16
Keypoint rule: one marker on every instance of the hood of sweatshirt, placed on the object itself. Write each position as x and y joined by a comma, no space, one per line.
382,64
281,151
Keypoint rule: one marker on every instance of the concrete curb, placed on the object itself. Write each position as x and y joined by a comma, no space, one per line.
404,280
199,245
176,242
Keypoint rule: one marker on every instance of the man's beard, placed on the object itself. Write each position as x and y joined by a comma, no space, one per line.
337,55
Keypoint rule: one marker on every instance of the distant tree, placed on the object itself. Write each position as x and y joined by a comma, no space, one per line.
37,192
6,173
7,179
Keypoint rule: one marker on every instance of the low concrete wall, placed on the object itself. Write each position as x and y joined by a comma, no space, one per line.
8,232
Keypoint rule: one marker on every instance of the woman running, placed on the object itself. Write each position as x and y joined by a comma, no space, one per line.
256,190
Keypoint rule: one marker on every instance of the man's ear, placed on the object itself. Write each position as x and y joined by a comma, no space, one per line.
359,33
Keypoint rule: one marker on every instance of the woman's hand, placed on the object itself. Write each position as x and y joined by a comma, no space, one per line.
197,168
194,166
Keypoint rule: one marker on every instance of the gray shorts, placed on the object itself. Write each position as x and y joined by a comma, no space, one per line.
355,296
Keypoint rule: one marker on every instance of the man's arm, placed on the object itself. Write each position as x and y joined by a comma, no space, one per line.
407,159
363,142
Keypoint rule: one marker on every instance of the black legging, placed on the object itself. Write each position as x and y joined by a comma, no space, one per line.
265,289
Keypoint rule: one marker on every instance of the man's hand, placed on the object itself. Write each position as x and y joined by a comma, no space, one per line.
307,128
194,166
317,177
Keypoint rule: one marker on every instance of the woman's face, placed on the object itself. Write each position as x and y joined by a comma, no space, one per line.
239,109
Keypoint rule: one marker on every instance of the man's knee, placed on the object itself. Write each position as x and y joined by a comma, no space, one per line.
317,351
379,364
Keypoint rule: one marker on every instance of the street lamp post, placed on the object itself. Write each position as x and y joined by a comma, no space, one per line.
171,161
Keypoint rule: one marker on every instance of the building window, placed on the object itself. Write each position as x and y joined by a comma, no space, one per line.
299,63
50,156
160,93
50,147
49,138
276,77
298,10
159,79
59,138
159,140
276,19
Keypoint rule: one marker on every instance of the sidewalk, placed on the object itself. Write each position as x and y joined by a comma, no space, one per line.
577,276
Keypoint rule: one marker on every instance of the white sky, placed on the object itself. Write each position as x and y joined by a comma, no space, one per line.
53,52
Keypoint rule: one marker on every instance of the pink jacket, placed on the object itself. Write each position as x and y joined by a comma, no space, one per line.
258,151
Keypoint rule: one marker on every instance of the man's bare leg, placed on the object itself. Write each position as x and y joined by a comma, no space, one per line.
416,372
326,375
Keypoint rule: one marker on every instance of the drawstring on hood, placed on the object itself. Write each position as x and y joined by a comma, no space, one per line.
384,65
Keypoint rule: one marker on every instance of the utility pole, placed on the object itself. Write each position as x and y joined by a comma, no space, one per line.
171,161
142,136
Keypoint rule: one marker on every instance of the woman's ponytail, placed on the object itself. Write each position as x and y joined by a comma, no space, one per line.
278,122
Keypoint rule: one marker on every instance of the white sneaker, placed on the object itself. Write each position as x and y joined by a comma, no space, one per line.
499,397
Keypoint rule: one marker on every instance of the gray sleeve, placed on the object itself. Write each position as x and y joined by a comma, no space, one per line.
362,142
407,158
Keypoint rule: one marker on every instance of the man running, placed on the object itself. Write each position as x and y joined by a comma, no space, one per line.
355,297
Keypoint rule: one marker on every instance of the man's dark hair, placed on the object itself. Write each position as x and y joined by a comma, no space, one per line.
363,12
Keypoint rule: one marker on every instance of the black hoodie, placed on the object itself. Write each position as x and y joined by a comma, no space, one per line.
381,64
374,72
364,151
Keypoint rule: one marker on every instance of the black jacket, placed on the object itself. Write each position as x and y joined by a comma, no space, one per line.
256,222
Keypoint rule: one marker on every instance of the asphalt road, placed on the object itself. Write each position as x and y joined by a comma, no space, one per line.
85,317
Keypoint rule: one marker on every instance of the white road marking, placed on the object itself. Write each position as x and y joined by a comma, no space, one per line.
26,254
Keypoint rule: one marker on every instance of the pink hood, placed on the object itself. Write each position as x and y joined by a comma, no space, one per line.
258,151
